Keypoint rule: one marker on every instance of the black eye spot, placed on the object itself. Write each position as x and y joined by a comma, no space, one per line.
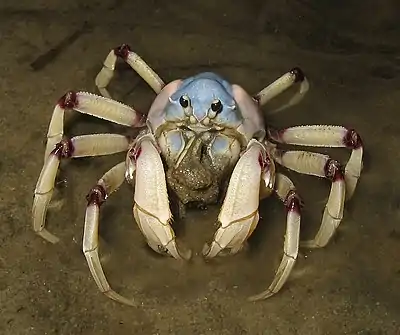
216,106
184,101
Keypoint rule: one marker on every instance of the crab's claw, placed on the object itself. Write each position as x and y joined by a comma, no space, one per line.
151,209
239,213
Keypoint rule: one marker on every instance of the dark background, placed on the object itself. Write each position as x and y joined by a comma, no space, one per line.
350,53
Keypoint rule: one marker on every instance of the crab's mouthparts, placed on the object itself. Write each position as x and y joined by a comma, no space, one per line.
199,128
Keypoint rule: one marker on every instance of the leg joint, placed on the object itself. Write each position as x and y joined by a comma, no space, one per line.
122,51
352,139
333,170
293,202
97,195
64,149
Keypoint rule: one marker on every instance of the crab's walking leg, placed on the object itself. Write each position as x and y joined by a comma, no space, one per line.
321,166
287,193
293,76
137,64
239,212
79,146
90,104
109,183
328,136
151,210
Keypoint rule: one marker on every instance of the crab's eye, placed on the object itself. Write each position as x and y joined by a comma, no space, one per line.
184,101
216,106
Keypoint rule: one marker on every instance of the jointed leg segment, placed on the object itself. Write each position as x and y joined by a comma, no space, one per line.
58,147
135,61
327,136
286,191
280,85
239,213
344,181
324,167
79,146
108,184
90,104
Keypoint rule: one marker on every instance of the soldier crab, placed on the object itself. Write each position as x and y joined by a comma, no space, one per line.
201,139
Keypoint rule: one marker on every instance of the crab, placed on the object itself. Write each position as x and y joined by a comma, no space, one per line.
203,141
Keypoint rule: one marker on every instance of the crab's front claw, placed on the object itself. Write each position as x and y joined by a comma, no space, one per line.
230,239
239,213
151,209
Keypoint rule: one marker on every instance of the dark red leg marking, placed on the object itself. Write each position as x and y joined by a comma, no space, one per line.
136,151
298,74
275,134
97,196
63,149
352,140
69,100
333,170
122,51
264,161
293,202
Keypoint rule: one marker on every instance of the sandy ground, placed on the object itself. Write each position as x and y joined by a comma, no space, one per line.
349,287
